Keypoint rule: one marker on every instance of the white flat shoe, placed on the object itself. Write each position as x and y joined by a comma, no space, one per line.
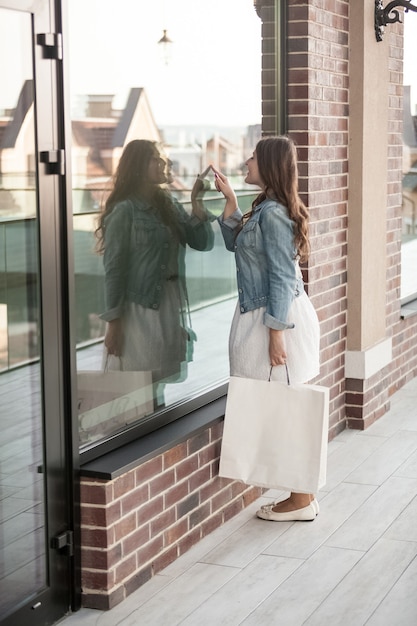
314,503
306,514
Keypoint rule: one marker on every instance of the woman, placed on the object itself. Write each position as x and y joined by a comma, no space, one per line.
142,233
275,324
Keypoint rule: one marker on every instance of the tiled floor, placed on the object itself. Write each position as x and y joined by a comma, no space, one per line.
355,564
22,528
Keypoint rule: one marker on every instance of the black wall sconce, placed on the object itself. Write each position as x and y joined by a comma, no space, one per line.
389,15
258,6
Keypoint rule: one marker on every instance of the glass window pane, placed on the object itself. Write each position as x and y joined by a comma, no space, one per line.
165,286
22,523
409,199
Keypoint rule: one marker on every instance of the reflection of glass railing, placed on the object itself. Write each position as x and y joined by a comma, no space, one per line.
18,292
210,278
17,197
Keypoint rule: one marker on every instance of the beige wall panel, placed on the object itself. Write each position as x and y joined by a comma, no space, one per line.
368,162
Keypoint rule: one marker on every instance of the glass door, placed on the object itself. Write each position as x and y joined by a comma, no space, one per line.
35,537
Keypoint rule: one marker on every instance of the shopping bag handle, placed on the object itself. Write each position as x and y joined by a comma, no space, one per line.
286,370
106,364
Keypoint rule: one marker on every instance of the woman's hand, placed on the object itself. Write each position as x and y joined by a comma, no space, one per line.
223,186
277,351
198,189
197,193
114,338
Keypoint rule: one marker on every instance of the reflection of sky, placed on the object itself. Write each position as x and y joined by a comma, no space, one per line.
214,75
16,55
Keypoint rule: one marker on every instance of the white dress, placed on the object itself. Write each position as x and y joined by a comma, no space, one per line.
249,344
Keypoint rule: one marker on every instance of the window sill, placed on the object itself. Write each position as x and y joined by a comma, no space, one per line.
409,310
129,456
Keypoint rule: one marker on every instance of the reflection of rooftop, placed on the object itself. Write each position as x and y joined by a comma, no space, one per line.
24,103
99,132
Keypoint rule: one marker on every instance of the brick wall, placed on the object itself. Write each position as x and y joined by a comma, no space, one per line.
318,97
135,525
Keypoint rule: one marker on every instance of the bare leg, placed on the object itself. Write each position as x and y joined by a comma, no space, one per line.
294,502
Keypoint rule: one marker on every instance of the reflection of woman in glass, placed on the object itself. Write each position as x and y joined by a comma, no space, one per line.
142,232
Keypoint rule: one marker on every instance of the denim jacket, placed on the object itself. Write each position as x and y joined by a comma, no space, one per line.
268,274
137,250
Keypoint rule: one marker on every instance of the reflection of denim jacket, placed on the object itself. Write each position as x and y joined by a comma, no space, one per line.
268,274
137,248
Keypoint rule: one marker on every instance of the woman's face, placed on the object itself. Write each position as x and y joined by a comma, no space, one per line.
253,177
157,169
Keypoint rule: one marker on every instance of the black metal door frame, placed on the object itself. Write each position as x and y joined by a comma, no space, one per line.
62,591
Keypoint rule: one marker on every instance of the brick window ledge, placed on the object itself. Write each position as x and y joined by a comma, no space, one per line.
409,309
129,456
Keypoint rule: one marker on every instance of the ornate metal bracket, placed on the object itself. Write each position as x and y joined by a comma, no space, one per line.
258,6
389,15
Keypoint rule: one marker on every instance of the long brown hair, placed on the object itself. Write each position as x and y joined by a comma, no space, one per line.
277,165
131,181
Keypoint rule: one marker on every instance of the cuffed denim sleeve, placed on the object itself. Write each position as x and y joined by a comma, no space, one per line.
229,226
198,233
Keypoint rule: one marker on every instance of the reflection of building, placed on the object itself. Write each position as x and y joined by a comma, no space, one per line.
409,168
17,157
99,133
187,159
224,155
17,150
252,137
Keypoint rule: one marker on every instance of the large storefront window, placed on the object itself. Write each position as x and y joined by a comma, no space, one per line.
173,87
409,198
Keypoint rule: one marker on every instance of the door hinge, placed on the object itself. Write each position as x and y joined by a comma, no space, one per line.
64,543
51,44
54,161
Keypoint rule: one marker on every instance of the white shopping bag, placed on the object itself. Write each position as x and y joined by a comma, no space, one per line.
275,435
109,400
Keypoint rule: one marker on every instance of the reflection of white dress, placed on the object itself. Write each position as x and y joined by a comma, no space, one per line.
249,344
154,339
